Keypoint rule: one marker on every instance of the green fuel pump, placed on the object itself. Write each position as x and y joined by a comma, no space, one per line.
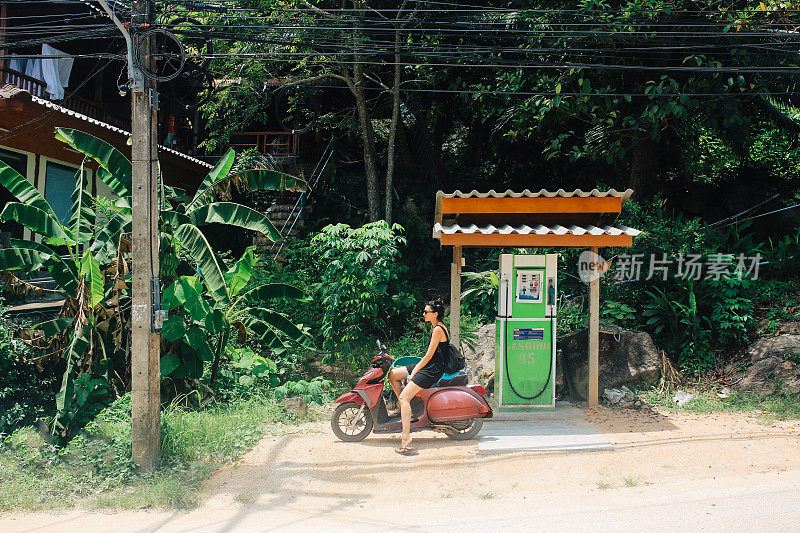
525,332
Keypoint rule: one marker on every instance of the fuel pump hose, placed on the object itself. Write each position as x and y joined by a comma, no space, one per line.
511,384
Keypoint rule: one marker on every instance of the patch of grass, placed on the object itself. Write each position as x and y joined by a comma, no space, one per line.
95,469
631,481
216,435
603,485
166,491
486,496
781,404
244,498
25,488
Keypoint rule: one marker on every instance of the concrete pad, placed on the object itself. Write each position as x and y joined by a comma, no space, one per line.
565,429
563,411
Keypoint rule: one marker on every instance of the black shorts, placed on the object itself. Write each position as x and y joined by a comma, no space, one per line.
427,377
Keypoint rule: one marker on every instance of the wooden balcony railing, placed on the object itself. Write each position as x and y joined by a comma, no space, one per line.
26,83
273,143
74,103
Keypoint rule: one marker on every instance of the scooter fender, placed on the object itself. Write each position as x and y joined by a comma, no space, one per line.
456,404
368,395
349,397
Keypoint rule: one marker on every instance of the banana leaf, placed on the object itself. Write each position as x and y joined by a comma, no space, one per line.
83,216
21,258
210,266
90,270
105,244
262,331
38,221
119,168
215,176
262,179
64,273
280,323
273,290
235,215
22,189
239,274
54,327
77,347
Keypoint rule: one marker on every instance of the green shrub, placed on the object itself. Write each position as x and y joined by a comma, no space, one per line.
26,395
318,390
480,297
359,286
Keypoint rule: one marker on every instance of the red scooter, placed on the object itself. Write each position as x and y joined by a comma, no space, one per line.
449,406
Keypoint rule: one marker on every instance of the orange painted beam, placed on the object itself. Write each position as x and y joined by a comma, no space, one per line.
541,204
531,241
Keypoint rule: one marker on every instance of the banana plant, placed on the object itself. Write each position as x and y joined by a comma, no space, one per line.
240,311
78,272
95,271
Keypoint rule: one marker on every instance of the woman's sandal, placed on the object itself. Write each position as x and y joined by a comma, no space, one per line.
406,450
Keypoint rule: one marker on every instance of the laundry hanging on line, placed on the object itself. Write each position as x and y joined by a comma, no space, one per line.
54,72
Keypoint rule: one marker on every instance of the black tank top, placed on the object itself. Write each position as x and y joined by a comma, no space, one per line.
438,355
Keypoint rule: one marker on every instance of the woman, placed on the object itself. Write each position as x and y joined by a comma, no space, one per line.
422,375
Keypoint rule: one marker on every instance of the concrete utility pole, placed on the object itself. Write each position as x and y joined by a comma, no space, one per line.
145,345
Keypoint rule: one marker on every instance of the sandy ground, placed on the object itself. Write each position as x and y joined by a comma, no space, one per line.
311,474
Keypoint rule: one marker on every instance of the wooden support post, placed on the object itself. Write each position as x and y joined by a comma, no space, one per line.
145,346
594,338
455,298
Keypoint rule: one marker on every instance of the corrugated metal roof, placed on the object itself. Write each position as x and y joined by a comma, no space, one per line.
561,193
539,229
10,91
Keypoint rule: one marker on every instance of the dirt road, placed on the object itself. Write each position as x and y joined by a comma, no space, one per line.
675,464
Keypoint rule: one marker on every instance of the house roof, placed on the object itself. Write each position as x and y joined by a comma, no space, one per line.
617,229
13,92
529,219
560,193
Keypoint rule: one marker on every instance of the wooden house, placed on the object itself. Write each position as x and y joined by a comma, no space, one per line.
39,94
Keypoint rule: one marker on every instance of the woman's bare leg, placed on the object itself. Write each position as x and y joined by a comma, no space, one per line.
396,375
409,392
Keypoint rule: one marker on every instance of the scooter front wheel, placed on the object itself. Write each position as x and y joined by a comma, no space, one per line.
463,429
350,422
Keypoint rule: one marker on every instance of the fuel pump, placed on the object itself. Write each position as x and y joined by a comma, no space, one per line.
525,332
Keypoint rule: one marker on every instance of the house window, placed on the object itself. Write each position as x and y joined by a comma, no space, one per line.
18,162
15,160
59,184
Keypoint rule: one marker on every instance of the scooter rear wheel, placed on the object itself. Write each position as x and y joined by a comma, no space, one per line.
348,425
464,429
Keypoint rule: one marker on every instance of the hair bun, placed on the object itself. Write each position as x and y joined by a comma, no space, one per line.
439,301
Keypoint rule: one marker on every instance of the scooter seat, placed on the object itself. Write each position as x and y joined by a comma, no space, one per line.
459,380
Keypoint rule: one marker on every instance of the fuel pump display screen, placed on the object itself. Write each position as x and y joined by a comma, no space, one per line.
529,286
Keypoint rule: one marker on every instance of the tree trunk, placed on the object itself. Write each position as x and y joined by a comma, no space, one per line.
642,177
367,134
405,159
393,129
